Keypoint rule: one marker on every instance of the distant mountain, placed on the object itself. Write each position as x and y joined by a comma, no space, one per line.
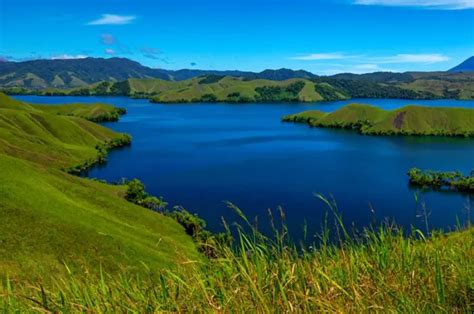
38,74
466,66
377,77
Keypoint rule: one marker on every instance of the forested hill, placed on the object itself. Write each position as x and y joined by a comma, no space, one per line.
119,76
38,74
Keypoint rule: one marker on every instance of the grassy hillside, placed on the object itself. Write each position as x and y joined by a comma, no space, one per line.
93,112
220,88
50,217
443,84
409,120
225,89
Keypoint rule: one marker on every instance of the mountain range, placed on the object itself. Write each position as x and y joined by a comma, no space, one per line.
72,73
82,72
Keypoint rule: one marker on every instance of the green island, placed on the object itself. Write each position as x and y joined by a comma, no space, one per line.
71,244
409,120
454,180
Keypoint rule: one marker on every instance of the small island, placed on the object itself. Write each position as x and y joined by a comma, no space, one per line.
408,120
453,180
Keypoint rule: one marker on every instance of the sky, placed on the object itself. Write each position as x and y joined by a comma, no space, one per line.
324,37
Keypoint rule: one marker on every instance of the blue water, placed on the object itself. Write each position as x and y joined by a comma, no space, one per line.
200,155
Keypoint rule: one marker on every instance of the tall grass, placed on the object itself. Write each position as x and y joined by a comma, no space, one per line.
379,269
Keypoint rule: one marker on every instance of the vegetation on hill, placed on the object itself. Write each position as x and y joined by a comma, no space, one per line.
93,112
119,76
453,180
225,89
74,73
51,219
343,86
409,120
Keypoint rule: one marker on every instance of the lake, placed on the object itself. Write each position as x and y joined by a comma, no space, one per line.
201,155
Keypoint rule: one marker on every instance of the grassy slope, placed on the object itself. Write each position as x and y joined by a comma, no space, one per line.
439,82
191,89
94,112
50,217
414,120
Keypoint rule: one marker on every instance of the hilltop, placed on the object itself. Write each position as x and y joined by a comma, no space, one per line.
219,88
409,120
465,66
51,218
114,76
71,73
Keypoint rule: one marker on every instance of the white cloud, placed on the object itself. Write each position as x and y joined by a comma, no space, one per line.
67,57
433,4
412,58
322,56
109,51
113,19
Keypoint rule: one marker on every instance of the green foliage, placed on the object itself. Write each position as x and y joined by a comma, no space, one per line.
328,92
279,93
342,86
92,112
210,79
435,179
75,92
120,88
136,194
103,88
208,98
367,89
192,223
409,120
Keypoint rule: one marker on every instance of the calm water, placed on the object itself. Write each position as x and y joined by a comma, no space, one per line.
200,155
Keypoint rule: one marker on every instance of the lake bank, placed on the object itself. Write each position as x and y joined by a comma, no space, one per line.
199,155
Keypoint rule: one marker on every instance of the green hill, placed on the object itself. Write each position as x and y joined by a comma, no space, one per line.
409,120
93,112
221,88
121,76
51,218
230,89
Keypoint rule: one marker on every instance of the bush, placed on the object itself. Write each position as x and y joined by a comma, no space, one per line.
279,93
453,180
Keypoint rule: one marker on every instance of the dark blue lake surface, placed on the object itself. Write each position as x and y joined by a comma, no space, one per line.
200,155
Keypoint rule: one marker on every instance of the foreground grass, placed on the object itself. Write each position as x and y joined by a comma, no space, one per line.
381,271
409,120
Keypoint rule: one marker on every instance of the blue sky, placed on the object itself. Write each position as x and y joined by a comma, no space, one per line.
324,37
